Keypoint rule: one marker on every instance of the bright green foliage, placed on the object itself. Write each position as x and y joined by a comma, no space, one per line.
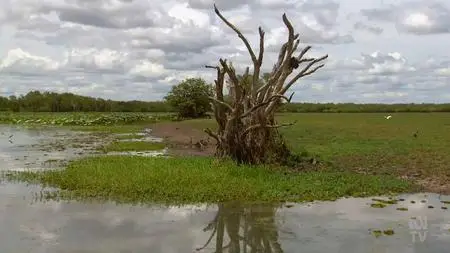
181,180
191,98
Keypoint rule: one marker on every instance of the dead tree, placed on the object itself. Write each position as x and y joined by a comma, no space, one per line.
247,131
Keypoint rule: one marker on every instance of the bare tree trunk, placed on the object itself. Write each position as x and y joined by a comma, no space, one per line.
247,130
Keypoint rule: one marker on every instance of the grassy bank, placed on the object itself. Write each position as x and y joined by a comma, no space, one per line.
411,145
193,180
368,154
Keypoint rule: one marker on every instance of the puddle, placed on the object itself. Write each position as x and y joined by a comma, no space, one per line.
31,225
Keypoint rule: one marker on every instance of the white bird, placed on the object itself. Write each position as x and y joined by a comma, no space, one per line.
388,117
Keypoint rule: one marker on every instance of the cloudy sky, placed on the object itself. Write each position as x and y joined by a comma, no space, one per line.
379,50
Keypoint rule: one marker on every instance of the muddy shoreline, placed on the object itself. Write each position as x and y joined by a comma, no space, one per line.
184,141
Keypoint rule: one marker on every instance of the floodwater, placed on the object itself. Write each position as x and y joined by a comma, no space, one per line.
36,148
39,148
31,224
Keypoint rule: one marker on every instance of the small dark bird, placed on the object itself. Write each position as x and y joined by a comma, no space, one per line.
416,134
294,63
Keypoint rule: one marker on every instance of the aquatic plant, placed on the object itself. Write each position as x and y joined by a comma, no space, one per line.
82,119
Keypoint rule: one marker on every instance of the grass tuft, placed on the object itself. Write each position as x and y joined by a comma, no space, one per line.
185,180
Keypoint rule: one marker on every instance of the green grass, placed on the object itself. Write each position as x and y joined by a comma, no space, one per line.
133,146
366,153
367,142
194,180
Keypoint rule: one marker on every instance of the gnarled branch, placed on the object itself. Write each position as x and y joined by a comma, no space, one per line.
253,105
256,126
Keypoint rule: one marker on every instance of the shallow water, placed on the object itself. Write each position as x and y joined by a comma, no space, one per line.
145,137
151,153
24,148
36,148
29,224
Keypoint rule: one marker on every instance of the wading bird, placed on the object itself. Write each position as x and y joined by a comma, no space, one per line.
388,117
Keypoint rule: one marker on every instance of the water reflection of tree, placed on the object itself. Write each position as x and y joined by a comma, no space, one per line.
251,225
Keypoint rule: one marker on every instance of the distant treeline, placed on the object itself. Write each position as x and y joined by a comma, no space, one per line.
36,101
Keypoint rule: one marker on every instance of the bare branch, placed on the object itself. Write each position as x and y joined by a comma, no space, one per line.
305,72
303,52
249,48
213,135
284,54
230,72
286,69
212,67
257,64
290,29
221,103
256,126
296,43
273,97
280,57
290,97
261,45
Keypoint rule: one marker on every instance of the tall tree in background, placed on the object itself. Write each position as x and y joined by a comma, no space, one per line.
247,131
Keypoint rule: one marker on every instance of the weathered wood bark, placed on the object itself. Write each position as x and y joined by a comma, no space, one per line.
247,131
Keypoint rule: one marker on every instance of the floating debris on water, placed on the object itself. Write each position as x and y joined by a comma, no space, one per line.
377,233
388,232
402,208
378,205
390,202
